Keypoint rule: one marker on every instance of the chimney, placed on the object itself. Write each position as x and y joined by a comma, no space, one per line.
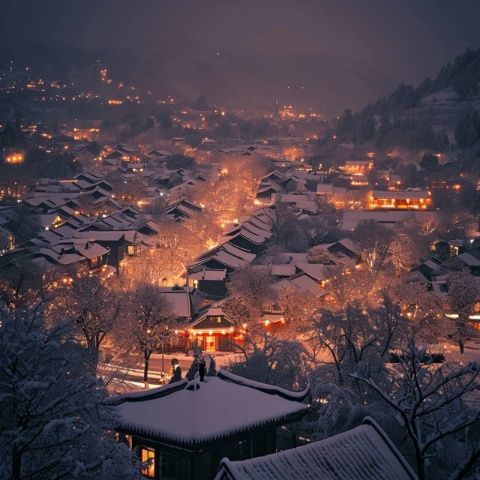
202,370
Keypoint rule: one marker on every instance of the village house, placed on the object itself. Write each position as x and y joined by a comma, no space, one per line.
209,281
182,210
183,430
404,200
357,167
213,332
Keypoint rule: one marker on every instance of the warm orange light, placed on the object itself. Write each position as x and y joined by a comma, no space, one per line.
15,158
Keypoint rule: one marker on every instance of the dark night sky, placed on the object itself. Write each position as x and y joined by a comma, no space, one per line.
396,40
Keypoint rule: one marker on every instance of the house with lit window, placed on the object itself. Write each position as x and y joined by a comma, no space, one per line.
214,332
403,200
183,430
357,167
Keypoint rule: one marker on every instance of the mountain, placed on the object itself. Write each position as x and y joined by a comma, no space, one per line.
239,79
435,115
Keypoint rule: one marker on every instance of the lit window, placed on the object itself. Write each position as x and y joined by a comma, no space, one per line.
147,457
131,249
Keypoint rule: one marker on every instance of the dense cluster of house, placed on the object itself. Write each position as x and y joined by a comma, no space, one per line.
79,222
241,246
152,169
454,255
301,189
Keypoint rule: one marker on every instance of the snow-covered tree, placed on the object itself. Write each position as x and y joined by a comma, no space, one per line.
360,285
357,339
375,240
431,406
249,291
421,308
24,287
197,358
297,307
94,307
54,421
287,231
409,244
212,367
273,361
463,299
147,322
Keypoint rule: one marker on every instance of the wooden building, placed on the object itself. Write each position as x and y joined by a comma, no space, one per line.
404,200
214,332
183,430
357,167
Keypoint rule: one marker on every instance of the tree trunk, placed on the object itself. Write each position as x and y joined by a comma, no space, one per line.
146,357
420,466
16,465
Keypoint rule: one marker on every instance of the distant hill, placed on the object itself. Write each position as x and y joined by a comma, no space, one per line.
435,115
240,79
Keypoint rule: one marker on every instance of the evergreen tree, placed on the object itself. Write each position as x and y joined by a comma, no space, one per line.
193,370
345,123
367,128
212,367
197,355
467,130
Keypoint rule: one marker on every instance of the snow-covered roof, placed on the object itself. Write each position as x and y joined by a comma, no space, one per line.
354,247
179,301
413,194
363,453
223,258
282,270
197,412
209,274
305,283
469,259
315,270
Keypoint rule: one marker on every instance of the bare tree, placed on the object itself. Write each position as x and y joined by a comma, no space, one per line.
422,309
249,291
375,240
273,361
429,403
93,305
356,337
148,322
287,231
24,286
463,297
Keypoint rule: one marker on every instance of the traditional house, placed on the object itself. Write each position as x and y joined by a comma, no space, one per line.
183,430
210,281
363,453
405,200
182,210
357,167
119,242
225,256
180,301
214,332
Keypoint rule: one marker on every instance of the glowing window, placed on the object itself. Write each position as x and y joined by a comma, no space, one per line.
147,457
